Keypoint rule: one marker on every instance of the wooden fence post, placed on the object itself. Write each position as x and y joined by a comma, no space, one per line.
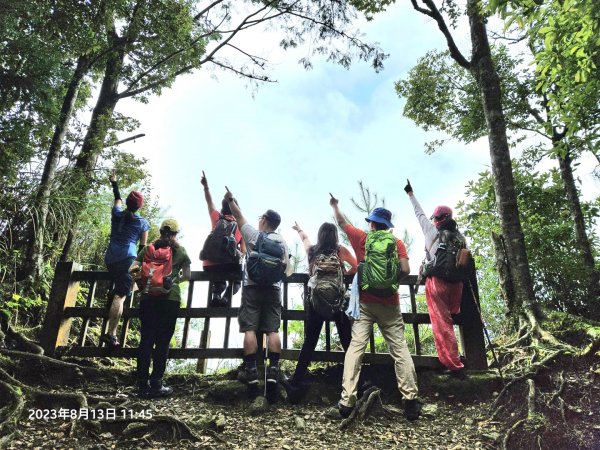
55,330
471,329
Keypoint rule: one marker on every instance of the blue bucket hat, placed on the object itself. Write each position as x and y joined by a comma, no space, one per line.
381,215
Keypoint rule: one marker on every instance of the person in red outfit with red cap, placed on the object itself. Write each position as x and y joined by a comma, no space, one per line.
443,297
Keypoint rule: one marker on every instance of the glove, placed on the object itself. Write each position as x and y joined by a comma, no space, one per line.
408,188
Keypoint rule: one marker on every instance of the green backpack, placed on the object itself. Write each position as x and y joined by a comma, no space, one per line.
380,269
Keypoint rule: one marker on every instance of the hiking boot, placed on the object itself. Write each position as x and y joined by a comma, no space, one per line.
294,390
344,410
412,409
248,375
272,375
143,388
158,389
459,374
226,300
110,340
215,301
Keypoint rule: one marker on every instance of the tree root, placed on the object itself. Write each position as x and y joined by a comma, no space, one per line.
532,371
531,412
510,431
19,340
560,390
178,430
369,404
10,414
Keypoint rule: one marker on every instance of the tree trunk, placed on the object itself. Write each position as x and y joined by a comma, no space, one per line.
489,84
566,173
35,233
502,267
98,128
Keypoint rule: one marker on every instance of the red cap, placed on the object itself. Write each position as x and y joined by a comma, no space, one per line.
134,200
440,211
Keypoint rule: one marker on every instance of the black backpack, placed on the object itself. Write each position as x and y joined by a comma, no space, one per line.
451,259
327,285
220,246
266,261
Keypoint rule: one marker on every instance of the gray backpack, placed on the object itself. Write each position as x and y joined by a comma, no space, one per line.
327,283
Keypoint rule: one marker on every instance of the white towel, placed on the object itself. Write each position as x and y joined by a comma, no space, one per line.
353,310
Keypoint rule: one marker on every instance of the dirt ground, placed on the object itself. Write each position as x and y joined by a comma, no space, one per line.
218,413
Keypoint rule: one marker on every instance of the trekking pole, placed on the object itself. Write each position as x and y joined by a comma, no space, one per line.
487,335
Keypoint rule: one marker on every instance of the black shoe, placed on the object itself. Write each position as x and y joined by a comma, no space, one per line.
344,410
294,390
248,376
459,374
272,374
226,300
215,301
158,389
110,340
143,389
272,387
412,409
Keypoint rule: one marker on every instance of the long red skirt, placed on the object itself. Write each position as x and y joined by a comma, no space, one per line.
443,299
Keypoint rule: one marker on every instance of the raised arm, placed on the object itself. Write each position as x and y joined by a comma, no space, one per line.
207,196
303,236
115,188
235,210
347,257
429,230
339,217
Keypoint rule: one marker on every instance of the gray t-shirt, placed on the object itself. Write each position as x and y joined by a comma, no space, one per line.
250,235
429,230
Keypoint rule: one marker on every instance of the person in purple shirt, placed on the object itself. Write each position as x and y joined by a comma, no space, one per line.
126,229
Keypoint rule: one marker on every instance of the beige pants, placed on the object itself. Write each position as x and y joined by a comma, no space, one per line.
389,320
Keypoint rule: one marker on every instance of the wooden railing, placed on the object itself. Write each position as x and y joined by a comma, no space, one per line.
62,310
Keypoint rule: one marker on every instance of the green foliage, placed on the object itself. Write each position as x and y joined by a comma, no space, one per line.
557,270
442,96
563,35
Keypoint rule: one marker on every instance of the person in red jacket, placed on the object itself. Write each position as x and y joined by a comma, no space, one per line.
443,297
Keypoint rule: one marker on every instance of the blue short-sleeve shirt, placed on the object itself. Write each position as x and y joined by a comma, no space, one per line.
124,235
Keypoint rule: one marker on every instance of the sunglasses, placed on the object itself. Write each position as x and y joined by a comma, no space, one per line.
439,218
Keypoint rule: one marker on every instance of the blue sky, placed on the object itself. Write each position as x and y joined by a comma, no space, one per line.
288,144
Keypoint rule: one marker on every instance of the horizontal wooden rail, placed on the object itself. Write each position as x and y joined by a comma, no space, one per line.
69,279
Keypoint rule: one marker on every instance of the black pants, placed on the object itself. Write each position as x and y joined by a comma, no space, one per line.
312,330
218,287
158,317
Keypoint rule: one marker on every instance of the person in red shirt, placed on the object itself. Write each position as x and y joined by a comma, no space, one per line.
218,287
385,312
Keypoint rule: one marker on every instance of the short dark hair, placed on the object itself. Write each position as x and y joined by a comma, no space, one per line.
273,219
225,208
380,226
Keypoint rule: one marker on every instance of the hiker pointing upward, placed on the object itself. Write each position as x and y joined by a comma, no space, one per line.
383,261
127,227
326,265
260,311
443,293
223,248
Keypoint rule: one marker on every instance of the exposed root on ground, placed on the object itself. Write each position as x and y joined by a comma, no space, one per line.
369,404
